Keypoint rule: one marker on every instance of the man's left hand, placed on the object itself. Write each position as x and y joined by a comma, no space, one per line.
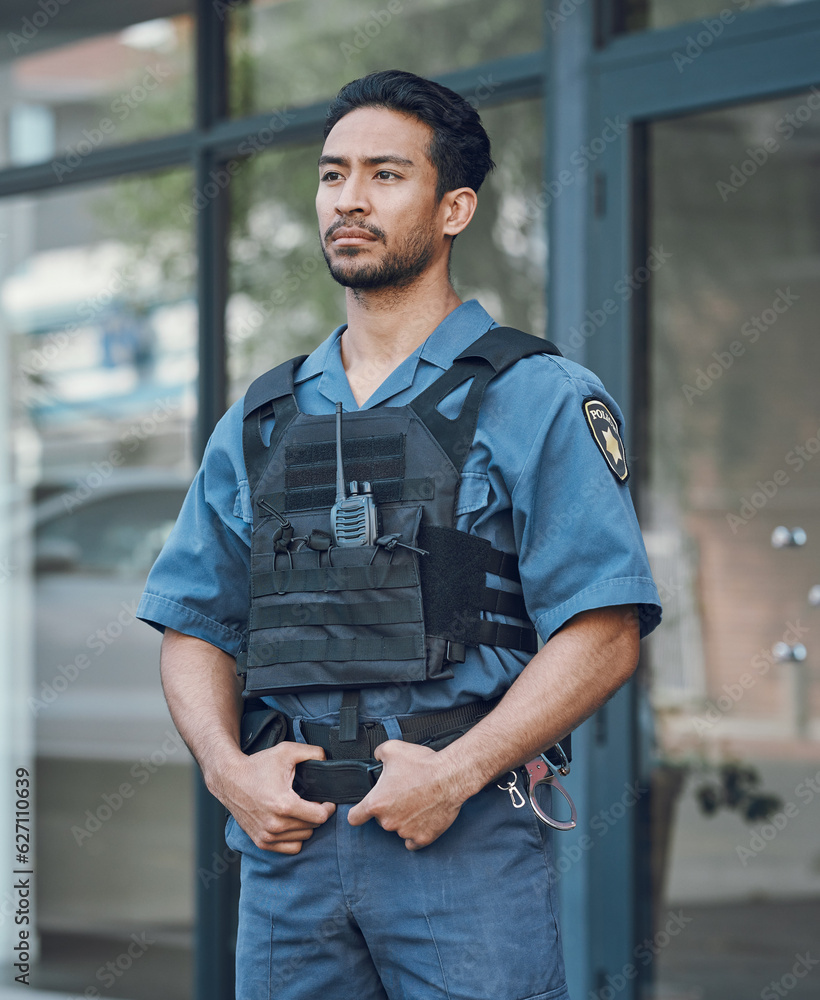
417,794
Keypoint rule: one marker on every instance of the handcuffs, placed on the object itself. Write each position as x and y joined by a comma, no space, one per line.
540,772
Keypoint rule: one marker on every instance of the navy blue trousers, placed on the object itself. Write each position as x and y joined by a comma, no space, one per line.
356,916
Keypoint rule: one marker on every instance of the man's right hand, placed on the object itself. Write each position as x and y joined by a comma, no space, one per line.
258,791
204,696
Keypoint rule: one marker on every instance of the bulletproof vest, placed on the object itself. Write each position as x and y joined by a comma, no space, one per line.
380,588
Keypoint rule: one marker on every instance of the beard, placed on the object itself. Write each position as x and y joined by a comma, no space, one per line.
397,269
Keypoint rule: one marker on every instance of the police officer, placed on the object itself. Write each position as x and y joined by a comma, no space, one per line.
428,882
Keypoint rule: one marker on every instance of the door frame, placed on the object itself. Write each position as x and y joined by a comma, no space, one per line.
599,224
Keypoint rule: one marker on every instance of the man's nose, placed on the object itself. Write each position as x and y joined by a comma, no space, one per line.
352,198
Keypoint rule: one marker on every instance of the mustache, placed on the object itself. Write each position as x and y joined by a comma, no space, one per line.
350,224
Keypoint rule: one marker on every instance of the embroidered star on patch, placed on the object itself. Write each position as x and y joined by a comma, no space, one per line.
605,433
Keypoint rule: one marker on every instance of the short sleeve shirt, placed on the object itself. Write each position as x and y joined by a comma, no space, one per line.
536,481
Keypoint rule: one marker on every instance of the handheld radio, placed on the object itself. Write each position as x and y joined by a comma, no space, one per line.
354,519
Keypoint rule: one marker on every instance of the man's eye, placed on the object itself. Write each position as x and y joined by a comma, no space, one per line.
331,175
385,175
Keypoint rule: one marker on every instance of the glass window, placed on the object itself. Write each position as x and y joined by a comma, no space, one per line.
73,80
283,302
639,15
734,437
293,52
98,322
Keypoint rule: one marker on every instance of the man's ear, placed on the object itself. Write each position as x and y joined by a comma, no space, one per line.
458,207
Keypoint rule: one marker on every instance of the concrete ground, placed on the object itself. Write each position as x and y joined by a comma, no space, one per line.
742,951
71,967
750,896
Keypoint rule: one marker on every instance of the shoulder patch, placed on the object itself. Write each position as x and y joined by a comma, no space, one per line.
605,433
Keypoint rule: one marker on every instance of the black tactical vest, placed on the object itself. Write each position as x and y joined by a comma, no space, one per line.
402,604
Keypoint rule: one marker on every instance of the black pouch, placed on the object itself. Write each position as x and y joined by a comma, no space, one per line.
261,728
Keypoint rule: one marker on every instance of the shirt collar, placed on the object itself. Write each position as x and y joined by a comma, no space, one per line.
316,362
455,333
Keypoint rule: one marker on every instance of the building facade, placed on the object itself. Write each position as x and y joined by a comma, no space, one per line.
654,213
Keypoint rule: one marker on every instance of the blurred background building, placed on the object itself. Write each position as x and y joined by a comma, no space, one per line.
655,212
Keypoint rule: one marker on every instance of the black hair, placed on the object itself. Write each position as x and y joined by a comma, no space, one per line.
459,148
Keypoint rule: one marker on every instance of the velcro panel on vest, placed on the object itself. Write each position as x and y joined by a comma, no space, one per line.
370,448
452,580
310,469
454,591
314,463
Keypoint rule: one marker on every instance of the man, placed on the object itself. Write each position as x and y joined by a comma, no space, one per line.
432,883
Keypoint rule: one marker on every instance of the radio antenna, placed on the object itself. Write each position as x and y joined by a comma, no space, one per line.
354,519
340,473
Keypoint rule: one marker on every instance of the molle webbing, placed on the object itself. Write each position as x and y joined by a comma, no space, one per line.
368,613
331,578
367,647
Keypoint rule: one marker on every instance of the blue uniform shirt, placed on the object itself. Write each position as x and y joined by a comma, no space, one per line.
535,482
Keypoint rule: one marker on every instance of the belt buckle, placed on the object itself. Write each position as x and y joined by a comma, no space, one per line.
314,780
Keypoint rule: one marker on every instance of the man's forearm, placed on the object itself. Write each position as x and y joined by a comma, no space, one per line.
204,697
564,683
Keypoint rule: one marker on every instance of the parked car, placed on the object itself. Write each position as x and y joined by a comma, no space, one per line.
96,688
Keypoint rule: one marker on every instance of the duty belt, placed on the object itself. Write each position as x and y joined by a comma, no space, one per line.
351,770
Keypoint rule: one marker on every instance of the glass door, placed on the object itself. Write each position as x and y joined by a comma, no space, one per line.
731,511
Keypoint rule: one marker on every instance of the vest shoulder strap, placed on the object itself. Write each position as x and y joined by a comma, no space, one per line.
490,355
504,345
272,385
270,393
